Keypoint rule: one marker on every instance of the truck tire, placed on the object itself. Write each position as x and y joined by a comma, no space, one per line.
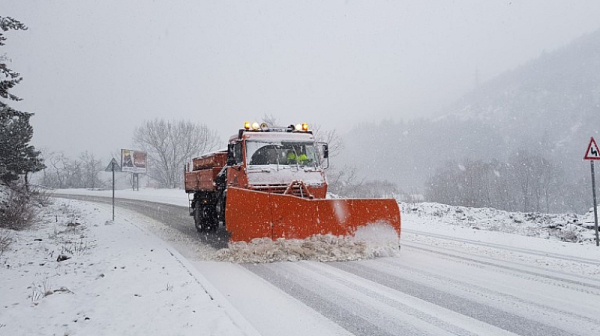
198,222
210,219
205,219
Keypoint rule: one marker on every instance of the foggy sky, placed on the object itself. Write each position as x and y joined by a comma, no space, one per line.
94,69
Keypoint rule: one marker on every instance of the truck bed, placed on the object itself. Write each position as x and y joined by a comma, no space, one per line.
201,180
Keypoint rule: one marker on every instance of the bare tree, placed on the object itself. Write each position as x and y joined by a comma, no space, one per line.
336,145
377,189
527,183
171,144
91,168
270,119
64,172
344,181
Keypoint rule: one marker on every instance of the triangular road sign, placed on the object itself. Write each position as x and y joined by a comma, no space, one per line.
110,166
592,152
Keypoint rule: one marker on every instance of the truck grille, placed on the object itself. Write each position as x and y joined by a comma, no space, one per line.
280,189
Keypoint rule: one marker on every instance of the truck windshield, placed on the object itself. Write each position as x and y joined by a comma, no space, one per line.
284,153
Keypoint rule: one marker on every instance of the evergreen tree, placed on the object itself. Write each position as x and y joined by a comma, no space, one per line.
17,156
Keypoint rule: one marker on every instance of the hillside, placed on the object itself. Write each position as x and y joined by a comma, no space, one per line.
549,106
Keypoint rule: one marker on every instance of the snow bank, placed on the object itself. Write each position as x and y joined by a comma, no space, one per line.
564,227
371,241
78,273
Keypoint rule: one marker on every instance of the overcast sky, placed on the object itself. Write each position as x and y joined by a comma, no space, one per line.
94,69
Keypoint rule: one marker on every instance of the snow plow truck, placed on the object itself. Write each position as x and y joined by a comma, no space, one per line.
270,182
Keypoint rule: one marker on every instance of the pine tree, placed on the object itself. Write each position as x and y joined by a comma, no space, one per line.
17,156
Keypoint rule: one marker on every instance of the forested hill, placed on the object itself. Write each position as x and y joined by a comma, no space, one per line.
551,104
549,107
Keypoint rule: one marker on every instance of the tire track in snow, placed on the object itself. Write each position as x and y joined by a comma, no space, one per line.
489,292
557,281
407,306
490,315
507,248
346,311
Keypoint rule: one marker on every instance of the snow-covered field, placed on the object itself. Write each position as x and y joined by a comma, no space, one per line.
116,279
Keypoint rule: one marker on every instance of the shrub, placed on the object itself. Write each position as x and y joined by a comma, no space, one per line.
6,238
17,212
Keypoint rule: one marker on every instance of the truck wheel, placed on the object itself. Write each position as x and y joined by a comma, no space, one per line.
198,220
205,219
210,220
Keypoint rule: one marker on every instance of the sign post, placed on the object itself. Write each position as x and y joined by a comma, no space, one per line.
113,166
593,154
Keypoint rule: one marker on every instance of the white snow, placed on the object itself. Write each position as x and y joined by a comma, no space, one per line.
119,279
481,251
494,233
167,196
563,227
371,241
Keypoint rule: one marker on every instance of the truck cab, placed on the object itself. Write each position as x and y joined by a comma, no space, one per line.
279,160
276,160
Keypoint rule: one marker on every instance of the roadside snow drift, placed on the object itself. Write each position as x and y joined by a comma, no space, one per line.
78,273
375,240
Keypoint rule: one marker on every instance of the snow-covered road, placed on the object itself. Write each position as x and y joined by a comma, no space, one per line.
440,284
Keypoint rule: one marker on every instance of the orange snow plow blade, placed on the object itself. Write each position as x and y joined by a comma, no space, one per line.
254,214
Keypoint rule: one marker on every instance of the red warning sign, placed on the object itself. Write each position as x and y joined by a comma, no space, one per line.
592,152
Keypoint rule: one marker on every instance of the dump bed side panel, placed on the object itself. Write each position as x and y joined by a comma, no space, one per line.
213,160
201,180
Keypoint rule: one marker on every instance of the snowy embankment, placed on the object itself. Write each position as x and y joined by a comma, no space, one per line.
77,272
563,227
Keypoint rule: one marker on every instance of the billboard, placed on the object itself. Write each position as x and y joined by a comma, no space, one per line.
133,161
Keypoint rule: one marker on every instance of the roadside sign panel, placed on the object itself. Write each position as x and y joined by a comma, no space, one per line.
110,165
592,152
133,161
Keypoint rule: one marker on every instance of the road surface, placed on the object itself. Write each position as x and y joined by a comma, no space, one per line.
436,286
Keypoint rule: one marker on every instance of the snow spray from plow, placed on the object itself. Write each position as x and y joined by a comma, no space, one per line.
368,242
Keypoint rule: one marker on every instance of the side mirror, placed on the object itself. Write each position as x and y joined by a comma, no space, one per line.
231,154
325,149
